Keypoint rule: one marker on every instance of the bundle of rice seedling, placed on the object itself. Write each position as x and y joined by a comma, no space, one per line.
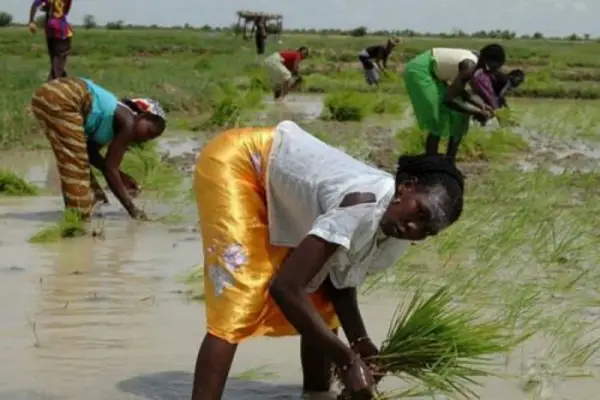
442,348
506,117
70,225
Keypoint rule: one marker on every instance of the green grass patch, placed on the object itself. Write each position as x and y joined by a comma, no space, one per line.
346,106
69,226
479,144
145,165
12,184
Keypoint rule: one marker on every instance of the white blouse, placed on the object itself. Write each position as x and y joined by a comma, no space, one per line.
307,181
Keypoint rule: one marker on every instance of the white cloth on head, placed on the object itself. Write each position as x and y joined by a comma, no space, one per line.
307,181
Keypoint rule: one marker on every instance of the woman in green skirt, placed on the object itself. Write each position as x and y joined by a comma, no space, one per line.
435,81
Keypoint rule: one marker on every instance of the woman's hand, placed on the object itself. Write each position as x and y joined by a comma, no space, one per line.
139,215
367,351
489,108
358,381
133,188
482,116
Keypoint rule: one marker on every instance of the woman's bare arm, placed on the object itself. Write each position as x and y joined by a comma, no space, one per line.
453,98
345,303
288,289
124,124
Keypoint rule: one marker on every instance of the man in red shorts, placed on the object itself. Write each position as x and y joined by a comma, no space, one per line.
58,33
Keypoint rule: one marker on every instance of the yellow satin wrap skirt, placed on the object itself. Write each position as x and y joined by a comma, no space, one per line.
239,261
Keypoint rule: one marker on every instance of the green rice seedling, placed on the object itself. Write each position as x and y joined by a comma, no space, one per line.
385,104
12,184
194,280
69,226
145,165
443,348
345,106
477,145
256,374
230,105
506,117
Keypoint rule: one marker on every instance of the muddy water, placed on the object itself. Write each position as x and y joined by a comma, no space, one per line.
105,318
296,106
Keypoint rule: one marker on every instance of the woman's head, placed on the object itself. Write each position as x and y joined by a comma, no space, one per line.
429,197
150,119
492,57
516,77
392,42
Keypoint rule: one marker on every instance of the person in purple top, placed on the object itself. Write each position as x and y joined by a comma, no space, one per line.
58,32
491,87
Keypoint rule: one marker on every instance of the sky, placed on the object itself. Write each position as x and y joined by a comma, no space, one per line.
551,17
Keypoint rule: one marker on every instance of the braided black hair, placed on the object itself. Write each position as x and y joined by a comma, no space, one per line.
516,76
435,173
492,52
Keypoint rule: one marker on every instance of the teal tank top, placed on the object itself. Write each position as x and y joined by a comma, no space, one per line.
99,121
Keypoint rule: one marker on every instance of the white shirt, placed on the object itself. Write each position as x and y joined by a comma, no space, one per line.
307,181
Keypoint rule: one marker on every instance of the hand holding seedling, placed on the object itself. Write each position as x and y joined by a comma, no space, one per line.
483,116
139,215
133,188
32,27
367,351
357,380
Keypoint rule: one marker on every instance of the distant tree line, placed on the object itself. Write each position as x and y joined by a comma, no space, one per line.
89,22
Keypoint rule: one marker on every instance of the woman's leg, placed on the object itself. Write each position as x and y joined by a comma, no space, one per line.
99,195
424,92
432,144
317,370
58,104
260,44
58,50
459,129
239,262
212,368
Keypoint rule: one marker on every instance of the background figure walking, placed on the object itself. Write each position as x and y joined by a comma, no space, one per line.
58,33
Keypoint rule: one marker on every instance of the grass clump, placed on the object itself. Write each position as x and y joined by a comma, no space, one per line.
194,281
443,347
479,144
388,105
12,184
70,225
230,105
346,106
506,117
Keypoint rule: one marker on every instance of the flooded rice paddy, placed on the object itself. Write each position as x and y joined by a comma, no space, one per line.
108,317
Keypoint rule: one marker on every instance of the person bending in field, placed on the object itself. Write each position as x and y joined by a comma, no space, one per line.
259,29
375,58
283,70
58,33
80,118
436,80
492,87
291,228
